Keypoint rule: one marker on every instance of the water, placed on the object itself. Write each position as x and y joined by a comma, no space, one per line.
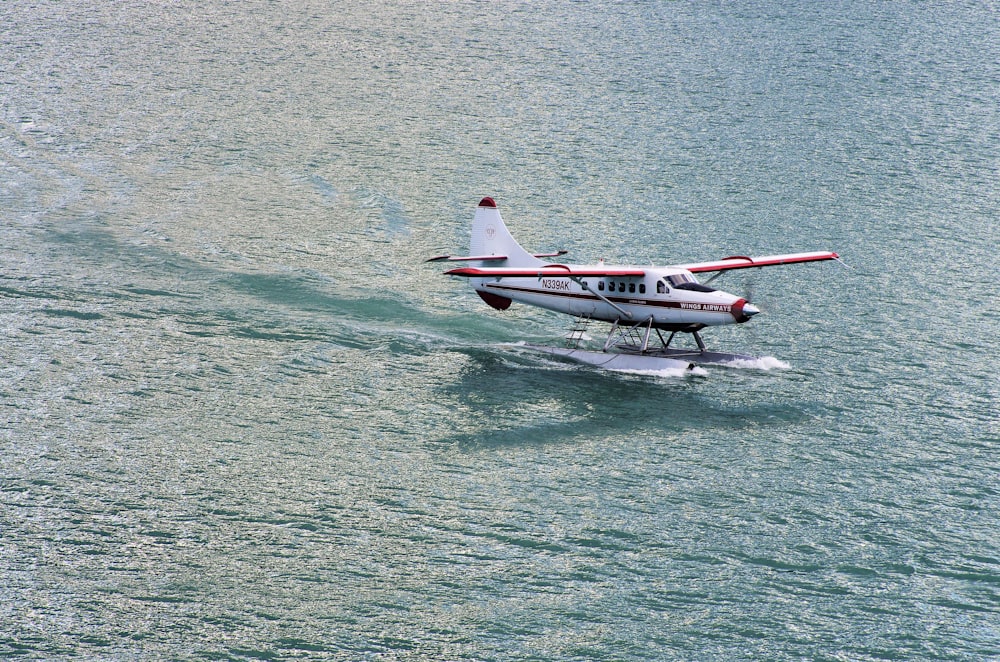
243,419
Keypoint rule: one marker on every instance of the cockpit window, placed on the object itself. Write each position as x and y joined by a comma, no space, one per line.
677,279
687,282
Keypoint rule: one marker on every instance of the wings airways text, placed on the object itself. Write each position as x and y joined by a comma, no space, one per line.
710,307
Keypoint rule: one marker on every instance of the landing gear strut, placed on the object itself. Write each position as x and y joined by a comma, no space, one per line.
635,339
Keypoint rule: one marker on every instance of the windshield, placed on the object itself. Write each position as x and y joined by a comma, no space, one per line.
678,279
687,282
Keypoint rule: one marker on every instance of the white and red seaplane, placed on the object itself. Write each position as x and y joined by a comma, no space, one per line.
640,303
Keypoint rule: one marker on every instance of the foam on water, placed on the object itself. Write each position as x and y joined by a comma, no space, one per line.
668,372
760,363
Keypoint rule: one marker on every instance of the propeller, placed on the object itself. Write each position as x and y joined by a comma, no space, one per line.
767,305
748,289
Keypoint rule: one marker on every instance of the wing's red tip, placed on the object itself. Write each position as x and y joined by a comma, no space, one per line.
488,202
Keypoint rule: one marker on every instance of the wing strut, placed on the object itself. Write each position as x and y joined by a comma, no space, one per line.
600,296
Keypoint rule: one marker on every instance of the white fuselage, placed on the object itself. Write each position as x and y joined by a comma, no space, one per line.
671,297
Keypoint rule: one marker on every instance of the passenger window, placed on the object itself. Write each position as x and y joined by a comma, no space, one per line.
642,288
621,287
631,288
600,286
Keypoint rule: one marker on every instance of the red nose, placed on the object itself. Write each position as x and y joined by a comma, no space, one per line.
743,310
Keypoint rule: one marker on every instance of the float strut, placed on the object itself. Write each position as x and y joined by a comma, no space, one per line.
645,337
611,334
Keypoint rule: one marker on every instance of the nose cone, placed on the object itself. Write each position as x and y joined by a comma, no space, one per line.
743,311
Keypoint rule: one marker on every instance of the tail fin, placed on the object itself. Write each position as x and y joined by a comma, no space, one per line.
491,237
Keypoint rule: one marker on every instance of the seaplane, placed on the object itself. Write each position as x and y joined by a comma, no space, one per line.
640,303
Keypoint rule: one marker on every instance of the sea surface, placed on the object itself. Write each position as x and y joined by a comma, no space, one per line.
241,418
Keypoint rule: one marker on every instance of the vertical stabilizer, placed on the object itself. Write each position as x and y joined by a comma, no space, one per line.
491,237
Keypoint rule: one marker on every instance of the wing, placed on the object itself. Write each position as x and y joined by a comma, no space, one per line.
744,262
546,271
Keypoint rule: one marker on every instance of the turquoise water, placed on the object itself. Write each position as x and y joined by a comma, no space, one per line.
243,419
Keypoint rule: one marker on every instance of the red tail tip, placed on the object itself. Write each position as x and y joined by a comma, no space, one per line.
488,202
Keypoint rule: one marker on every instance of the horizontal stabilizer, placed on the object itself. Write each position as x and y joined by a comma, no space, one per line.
469,258
485,258
744,262
547,271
